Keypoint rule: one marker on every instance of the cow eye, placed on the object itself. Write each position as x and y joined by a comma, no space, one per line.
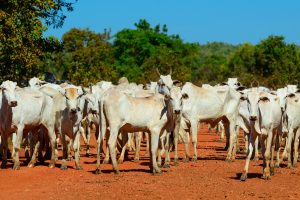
243,98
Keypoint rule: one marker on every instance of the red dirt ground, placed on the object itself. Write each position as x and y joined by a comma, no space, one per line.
209,178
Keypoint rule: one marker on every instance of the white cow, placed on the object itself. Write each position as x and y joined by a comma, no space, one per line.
24,110
291,125
124,113
210,105
265,117
68,109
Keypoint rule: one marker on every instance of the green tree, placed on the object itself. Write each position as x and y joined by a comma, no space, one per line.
21,34
138,52
85,58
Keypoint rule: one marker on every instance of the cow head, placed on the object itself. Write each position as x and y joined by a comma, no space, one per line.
165,83
9,92
92,103
73,95
175,99
253,98
35,82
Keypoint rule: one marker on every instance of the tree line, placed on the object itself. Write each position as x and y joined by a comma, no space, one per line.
86,57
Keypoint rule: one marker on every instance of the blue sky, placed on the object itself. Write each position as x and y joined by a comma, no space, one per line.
230,21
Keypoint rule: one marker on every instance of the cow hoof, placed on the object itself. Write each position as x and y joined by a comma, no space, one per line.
228,160
267,177
16,167
120,161
238,150
159,164
186,160
79,168
277,165
136,160
256,158
69,159
243,177
166,166
290,166
176,163
194,159
117,171
63,167
295,165
51,165
3,165
98,171
272,171
220,140
30,165
157,171
105,161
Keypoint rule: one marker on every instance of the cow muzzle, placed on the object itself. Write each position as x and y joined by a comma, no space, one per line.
73,111
253,118
13,104
177,112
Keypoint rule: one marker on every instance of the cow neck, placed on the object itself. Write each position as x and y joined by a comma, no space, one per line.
5,108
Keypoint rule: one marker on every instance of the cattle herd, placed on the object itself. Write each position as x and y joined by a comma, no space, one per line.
44,115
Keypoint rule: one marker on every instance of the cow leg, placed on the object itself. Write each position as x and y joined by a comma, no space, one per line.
34,155
147,144
17,146
296,145
284,154
267,153
106,159
112,148
251,138
76,147
138,139
153,149
289,148
161,149
273,153
186,141
246,139
88,138
176,135
256,156
125,141
65,152
53,143
194,130
232,144
167,149
4,144
221,127
99,148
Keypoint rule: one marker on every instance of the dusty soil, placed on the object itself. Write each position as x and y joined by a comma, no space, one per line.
209,178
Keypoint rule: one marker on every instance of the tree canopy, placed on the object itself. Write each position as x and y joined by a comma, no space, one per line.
21,34
84,56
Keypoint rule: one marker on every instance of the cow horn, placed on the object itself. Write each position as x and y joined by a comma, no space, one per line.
171,71
157,71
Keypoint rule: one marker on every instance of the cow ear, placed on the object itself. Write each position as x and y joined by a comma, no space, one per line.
264,99
240,88
177,83
185,96
243,98
224,83
291,95
167,97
